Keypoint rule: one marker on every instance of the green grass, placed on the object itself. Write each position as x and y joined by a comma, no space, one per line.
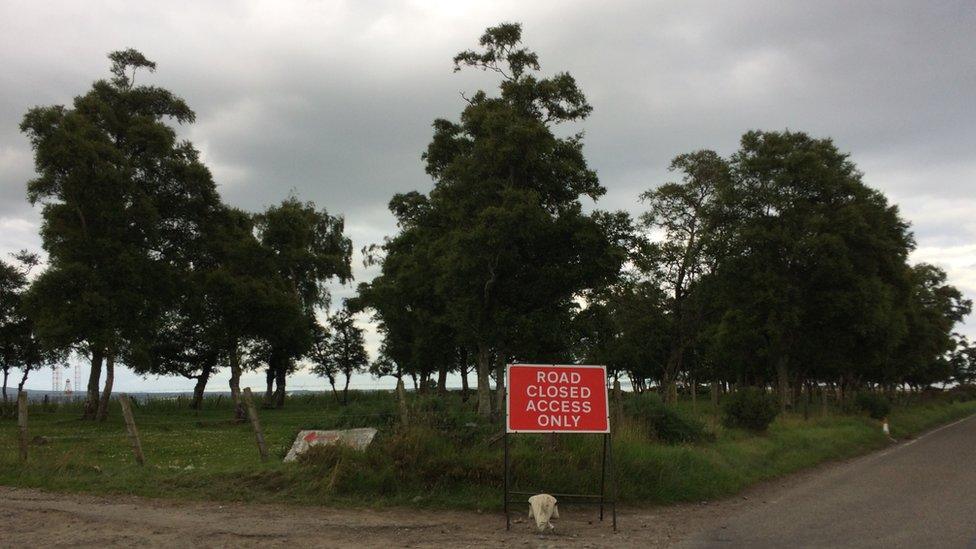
443,459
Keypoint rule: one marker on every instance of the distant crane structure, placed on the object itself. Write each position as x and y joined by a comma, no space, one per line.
61,381
56,378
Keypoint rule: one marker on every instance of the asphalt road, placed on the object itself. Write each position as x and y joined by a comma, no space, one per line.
921,493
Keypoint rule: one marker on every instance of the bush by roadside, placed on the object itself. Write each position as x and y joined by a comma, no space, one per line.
664,423
876,405
750,408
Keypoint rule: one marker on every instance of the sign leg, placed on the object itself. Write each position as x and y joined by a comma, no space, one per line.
613,482
603,475
508,522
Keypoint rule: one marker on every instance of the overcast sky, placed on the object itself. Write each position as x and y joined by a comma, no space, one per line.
334,100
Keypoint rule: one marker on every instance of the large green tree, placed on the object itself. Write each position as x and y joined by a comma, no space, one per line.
813,266
504,226
418,338
121,195
230,297
308,249
686,214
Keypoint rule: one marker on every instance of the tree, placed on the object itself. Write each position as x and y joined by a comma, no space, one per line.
340,349
323,362
686,214
19,347
12,283
963,360
813,265
934,307
121,196
625,326
781,267
309,250
504,227
418,338
230,296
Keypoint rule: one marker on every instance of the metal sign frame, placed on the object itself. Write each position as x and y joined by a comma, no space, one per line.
606,463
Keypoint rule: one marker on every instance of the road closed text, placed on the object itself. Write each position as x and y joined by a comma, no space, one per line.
547,398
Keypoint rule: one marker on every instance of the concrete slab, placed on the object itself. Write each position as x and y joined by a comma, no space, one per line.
358,439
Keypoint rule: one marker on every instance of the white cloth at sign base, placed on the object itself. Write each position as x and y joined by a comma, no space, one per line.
542,507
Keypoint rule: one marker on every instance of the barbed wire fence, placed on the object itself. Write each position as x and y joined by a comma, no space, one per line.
176,427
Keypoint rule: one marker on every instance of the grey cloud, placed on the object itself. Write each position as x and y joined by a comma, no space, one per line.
335,99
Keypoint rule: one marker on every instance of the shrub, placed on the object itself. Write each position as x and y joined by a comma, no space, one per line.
666,424
877,406
750,408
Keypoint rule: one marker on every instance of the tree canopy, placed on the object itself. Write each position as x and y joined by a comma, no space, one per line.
501,244
775,266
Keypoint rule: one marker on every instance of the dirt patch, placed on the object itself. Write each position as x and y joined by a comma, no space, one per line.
37,518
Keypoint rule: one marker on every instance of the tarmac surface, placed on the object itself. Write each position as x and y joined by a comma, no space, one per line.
921,493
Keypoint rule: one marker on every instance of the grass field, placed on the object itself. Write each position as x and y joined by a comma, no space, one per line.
445,458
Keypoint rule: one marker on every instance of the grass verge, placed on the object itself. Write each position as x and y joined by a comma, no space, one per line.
445,459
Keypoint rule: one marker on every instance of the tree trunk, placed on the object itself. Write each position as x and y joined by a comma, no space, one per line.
240,414
694,396
109,381
500,361
715,396
796,391
484,394
463,368
806,401
6,374
345,390
635,383
269,379
23,379
94,379
281,372
783,382
442,380
335,394
671,370
201,386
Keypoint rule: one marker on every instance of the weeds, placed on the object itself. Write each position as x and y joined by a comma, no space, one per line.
444,459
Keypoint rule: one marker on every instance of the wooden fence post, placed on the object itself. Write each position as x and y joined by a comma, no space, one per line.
130,426
252,414
617,404
22,424
401,393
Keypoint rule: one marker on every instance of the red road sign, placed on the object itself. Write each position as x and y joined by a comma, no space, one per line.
547,398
